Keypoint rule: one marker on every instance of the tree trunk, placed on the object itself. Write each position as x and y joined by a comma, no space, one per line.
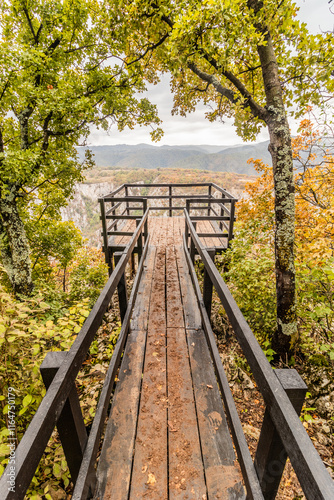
280,149
281,153
14,246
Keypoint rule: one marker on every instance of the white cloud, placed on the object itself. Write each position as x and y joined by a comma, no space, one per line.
195,129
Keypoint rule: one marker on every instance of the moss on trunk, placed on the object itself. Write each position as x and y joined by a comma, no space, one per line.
14,246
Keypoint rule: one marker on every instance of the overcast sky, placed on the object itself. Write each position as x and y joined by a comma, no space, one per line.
195,129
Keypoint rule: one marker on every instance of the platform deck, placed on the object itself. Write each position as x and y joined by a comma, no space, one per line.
202,227
167,436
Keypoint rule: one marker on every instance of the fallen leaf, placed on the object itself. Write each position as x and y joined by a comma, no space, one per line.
144,469
209,386
151,478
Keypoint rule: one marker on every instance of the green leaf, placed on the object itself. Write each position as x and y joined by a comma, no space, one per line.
27,400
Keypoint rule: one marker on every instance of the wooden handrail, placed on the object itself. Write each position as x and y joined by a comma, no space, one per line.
89,457
35,439
311,472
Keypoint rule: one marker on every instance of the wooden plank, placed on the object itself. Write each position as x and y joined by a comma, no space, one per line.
186,476
150,468
192,316
139,319
173,294
114,470
223,241
223,479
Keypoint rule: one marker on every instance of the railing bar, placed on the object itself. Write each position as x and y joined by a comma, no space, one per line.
124,198
244,456
112,193
167,208
88,461
35,439
126,217
222,206
199,184
113,208
209,217
311,472
218,188
120,233
212,235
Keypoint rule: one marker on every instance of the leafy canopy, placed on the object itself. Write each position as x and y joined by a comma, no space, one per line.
211,50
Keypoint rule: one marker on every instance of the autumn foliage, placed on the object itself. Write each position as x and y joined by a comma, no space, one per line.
251,260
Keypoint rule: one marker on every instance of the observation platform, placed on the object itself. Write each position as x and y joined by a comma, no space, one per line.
167,435
165,397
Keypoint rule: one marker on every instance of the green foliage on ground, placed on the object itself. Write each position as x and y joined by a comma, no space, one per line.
49,320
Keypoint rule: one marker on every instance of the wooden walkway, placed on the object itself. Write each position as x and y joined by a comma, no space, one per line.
167,436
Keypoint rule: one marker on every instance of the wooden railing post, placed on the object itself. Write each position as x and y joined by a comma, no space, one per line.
207,284
127,203
222,212
139,242
146,222
192,246
186,230
170,201
209,196
230,227
114,213
270,454
105,235
121,287
70,425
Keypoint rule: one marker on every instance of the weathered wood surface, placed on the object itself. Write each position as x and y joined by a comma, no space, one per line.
209,227
167,436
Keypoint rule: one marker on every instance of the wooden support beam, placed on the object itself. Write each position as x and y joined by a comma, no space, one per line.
271,456
121,287
207,284
192,247
145,225
139,242
70,425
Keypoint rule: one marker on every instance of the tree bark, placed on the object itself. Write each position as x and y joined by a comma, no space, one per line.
281,153
14,245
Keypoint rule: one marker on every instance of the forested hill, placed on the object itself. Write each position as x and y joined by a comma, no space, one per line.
203,157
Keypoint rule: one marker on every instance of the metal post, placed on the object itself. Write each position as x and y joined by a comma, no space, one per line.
207,284
170,201
270,454
122,291
70,424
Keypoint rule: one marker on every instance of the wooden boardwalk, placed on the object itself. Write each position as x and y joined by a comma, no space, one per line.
167,436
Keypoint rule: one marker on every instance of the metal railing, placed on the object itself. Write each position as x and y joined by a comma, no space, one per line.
283,392
60,407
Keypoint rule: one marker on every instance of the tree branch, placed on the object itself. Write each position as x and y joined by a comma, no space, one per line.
25,10
256,109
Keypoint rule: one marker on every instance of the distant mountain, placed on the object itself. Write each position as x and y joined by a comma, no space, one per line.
204,157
